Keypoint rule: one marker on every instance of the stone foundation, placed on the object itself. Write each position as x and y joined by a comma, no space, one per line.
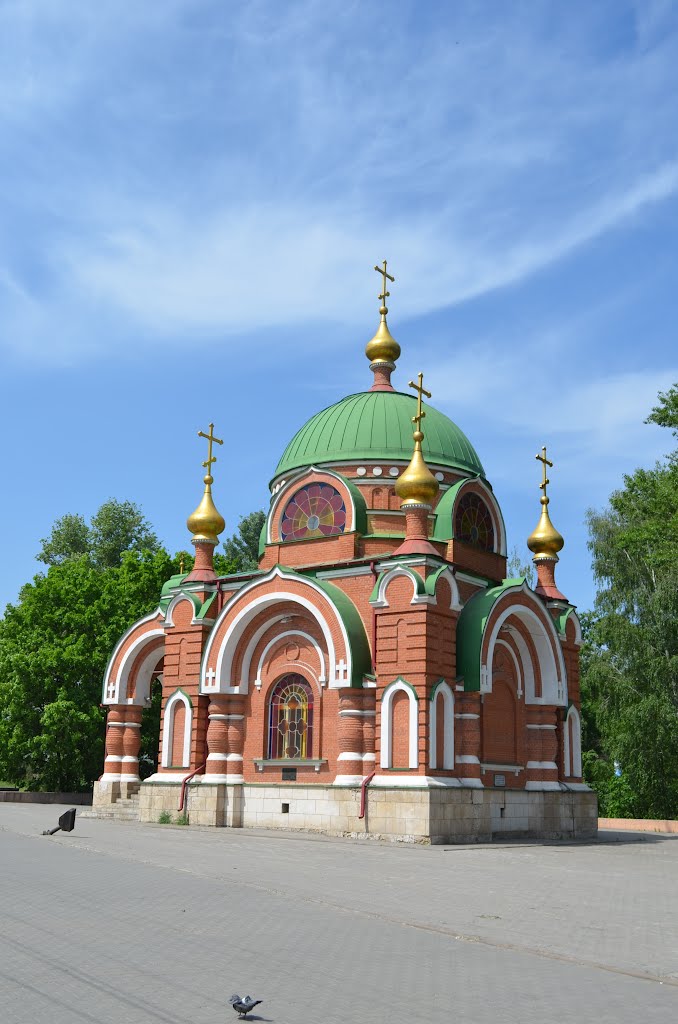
427,815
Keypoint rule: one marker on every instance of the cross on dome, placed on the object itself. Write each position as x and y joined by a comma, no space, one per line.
210,458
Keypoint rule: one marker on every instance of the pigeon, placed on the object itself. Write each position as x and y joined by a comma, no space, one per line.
243,1006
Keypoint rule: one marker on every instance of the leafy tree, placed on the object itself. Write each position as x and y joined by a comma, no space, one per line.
117,527
242,549
70,538
54,647
630,657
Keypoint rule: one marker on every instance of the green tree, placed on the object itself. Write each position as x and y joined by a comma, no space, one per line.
242,549
54,647
118,526
70,538
630,657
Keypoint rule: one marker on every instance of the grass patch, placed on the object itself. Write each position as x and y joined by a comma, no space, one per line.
165,818
181,819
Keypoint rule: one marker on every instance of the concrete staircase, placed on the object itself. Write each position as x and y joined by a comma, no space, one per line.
124,809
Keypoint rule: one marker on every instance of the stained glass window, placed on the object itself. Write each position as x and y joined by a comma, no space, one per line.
290,728
315,511
473,522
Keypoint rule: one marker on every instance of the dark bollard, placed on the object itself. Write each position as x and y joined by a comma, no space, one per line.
66,823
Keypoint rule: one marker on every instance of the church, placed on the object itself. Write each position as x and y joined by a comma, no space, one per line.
378,675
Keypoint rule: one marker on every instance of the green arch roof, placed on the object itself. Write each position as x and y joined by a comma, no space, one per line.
377,425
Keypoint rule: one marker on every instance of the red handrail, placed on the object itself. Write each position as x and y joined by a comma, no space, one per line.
184,783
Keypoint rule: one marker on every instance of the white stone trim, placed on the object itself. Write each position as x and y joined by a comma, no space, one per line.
387,724
170,777
448,728
543,786
467,759
224,757
549,765
335,574
389,575
350,756
467,714
348,780
168,729
350,713
221,780
539,725
424,782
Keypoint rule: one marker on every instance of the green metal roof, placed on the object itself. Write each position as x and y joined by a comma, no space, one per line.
377,425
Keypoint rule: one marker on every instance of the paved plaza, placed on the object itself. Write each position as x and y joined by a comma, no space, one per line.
122,923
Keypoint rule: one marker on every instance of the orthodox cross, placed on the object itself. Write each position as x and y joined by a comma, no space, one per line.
421,390
209,438
385,294
544,463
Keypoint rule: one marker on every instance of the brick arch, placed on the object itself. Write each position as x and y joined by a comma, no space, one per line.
267,640
572,744
441,727
535,636
397,686
346,655
176,730
133,662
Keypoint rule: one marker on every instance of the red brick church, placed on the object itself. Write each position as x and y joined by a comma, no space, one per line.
378,674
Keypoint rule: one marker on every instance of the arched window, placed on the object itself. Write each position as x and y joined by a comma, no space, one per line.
473,522
290,721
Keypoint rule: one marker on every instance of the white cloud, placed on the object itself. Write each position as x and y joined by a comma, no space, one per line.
226,172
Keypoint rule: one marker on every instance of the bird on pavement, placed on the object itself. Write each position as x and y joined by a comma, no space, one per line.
243,1006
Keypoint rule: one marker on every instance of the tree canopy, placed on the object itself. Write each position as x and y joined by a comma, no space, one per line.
117,527
56,640
630,657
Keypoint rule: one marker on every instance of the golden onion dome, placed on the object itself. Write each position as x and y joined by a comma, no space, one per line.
206,523
545,541
383,348
417,485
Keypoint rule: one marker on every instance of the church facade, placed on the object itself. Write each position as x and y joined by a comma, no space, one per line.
378,674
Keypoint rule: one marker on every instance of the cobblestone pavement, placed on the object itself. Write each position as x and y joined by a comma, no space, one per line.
138,924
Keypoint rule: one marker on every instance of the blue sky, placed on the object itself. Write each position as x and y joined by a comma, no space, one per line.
193,195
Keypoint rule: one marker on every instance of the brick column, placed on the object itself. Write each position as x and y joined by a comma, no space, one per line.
467,735
350,736
541,744
225,739
131,742
115,724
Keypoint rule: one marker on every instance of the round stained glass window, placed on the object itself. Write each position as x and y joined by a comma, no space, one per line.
315,511
473,523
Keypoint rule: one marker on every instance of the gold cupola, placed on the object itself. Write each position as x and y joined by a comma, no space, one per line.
417,485
545,541
383,350
206,523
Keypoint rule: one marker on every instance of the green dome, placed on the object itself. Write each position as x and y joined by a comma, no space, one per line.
377,426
